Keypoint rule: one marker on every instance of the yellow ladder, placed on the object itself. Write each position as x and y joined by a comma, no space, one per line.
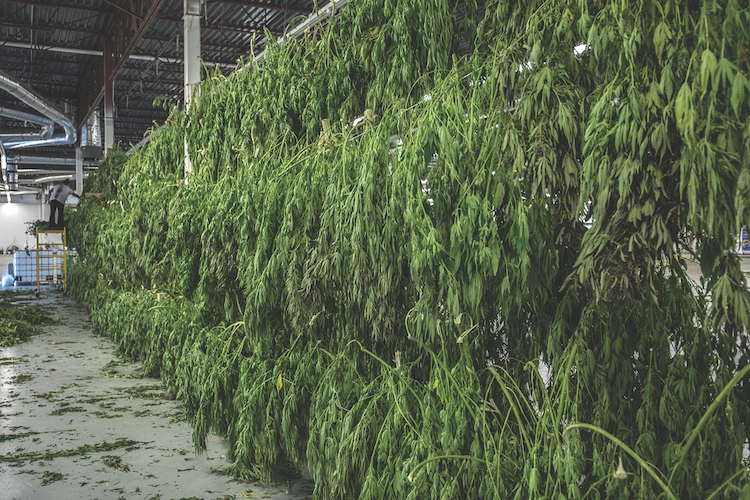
54,267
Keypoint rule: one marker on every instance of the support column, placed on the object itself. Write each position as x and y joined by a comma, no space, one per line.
4,169
109,100
79,171
191,57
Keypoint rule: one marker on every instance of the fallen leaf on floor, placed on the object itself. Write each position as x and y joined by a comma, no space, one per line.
115,462
50,477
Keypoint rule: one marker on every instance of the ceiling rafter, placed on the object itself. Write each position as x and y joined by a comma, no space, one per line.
246,29
69,5
233,50
123,9
140,108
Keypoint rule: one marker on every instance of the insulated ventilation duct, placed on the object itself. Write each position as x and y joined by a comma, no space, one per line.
12,171
48,126
91,137
91,132
41,160
44,138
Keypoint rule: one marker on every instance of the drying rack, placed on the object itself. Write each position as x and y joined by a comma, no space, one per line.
52,262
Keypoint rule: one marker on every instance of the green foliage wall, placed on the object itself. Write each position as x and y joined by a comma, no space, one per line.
375,302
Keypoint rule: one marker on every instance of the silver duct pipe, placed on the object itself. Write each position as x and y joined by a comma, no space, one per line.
48,126
33,172
37,102
9,139
41,160
23,116
68,137
28,190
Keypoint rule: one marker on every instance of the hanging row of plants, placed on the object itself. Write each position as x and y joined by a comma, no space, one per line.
470,284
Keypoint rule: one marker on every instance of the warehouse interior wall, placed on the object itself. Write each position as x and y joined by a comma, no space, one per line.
13,219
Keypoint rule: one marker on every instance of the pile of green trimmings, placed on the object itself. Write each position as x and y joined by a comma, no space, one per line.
18,320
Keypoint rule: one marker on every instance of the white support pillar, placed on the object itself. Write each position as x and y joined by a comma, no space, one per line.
109,128
4,170
192,52
43,202
79,171
109,100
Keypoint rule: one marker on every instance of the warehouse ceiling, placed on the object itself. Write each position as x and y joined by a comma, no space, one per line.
54,49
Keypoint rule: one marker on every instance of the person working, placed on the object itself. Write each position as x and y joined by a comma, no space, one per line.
57,197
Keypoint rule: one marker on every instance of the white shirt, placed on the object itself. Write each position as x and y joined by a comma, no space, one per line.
61,193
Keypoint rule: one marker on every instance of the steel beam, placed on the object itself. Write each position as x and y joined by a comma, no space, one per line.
69,5
246,29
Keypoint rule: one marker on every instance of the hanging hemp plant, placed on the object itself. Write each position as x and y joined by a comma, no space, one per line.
435,250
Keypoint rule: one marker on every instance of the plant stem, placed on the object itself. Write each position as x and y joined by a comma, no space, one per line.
627,450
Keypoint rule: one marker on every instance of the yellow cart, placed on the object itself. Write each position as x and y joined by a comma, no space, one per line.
48,265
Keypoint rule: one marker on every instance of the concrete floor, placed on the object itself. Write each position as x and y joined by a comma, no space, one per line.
65,389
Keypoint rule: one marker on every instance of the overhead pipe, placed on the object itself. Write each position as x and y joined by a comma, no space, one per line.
23,116
53,178
99,53
28,190
11,138
48,126
26,95
67,50
23,192
63,139
86,52
41,160
46,171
